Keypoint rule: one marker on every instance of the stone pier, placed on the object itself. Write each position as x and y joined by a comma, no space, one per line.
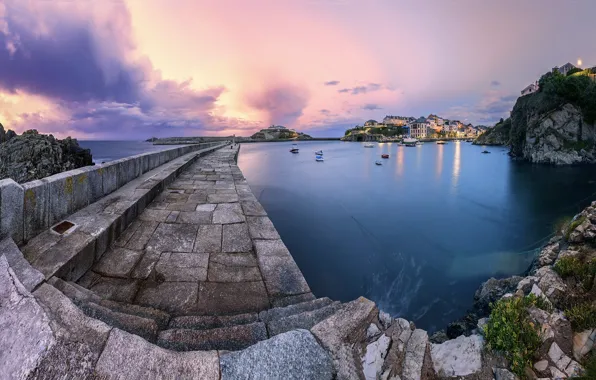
176,272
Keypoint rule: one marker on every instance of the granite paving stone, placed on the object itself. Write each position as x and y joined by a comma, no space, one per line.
185,206
173,238
146,265
221,298
261,227
195,217
117,262
178,298
198,197
236,238
233,267
128,233
151,215
227,213
179,266
210,207
209,238
142,235
172,217
222,198
253,209
115,289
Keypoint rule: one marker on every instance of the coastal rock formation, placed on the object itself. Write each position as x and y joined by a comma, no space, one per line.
33,156
278,132
498,135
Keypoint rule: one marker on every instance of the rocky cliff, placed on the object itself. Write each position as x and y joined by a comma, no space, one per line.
498,135
279,134
33,156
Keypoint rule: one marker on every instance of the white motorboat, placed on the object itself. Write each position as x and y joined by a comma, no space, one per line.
319,152
319,158
369,145
378,163
294,148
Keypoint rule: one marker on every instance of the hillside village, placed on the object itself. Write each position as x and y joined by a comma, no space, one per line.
397,127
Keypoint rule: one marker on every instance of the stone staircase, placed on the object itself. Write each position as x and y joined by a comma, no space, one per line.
198,332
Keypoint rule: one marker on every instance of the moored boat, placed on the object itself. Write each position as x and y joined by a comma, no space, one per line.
378,163
369,145
384,156
410,141
294,148
485,151
441,142
319,153
319,158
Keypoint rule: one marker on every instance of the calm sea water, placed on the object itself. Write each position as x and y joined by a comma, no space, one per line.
104,151
418,234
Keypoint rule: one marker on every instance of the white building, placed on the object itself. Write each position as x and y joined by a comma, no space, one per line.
532,88
419,128
565,68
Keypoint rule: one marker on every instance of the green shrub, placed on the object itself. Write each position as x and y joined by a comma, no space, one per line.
582,272
511,331
561,224
582,316
574,223
590,368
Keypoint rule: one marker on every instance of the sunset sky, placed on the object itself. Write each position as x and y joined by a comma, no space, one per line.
110,69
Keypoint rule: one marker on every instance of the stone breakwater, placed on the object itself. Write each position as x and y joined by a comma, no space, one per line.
181,274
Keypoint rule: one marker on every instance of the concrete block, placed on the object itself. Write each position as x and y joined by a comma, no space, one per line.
110,176
163,157
153,160
36,208
61,196
68,260
29,276
95,180
145,163
124,169
11,210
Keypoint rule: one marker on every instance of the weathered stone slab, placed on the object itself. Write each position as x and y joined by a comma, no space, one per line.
11,210
220,298
143,327
281,274
209,238
69,259
222,198
74,291
127,356
160,317
304,320
194,217
29,277
146,265
233,267
223,338
116,289
281,312
36,208
227,213
153,215
204,322
174,297
141,236
173,238
178,266
294,299
292,356
416,349
61,188
25,334
117,262
260,227
373,360
186,206
253,209
458,357
236,238
208,207
127,234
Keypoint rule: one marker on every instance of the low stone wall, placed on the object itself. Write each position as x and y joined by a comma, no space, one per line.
31,208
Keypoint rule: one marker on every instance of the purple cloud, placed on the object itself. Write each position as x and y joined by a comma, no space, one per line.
283,103
332,83
362,89
371,107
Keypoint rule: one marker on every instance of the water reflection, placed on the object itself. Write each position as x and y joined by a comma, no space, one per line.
439,164
400,161
456,167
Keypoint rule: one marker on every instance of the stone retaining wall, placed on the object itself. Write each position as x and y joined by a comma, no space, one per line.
31,208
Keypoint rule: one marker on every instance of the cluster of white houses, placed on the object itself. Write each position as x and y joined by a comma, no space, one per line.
565,69
424,127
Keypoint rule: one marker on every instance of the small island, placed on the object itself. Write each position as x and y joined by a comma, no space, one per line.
279,132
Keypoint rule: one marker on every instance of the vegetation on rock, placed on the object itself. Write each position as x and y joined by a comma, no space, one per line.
510,330
498,135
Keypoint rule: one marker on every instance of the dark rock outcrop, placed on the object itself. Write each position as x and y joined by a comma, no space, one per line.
492,290
498,135
33,156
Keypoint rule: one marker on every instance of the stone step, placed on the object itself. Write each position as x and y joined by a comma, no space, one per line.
144,327
74,291
159,316
282,312
231,338
305,320
206,322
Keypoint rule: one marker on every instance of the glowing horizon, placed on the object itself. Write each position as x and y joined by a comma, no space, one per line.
136,68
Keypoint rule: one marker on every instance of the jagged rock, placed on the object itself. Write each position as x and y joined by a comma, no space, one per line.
563,362
439,337
492,290
482,322
373,360
551,285
372,331
503,374
541,366
385,319
554,329
462,326
394,361
583,342
33,156
458,357
417,363
548,255
498,135
526,285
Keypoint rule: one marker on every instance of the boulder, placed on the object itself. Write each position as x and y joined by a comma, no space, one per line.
551,285
458,357
548,254
372,362
555,328
583,342
503,374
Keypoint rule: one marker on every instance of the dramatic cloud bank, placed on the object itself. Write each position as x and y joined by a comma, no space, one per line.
131,69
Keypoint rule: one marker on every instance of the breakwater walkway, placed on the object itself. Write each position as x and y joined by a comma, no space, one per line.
179,273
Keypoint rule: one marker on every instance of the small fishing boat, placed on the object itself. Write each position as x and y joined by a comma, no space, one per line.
384,156
419,143
400,144
410,142
378,163
319,158
485,151
294,148
319,153
441,142
369,145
